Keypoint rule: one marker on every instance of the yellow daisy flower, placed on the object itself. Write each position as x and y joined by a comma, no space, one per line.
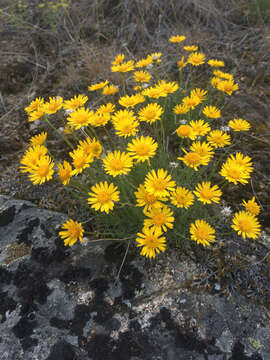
31,157
251,206
154,92
160,218
118,59
53,105
65,172
99,119
131,101
36,115
110,90
91,147
159,183
151,241
72,232
144,198
199,127
38,139
207,194
98,86
142,148
117,163
211,112
181,63
103,196
181,109
196,59
34,105
144,62
79,118
239,124
227,86
200,93
185,131
216,63
193,159
42,171
106,109
167,87
191,48
191,102
177,39
218,139
223,75
215,81
202,232
150,113
80,161
204,149
75,102
182,197
142,76
123,67
126,127
237,169
246,225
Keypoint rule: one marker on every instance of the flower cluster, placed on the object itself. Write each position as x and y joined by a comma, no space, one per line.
127,176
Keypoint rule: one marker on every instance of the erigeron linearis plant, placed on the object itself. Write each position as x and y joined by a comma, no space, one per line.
152,162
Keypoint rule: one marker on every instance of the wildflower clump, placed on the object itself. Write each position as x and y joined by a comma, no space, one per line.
151,158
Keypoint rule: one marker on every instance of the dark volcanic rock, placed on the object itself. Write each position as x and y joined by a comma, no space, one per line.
64,303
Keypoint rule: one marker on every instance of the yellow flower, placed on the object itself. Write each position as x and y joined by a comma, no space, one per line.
31,157
53,105
181,109
251,206
103,196
191,48
159,183
150,113
202,232
151,241
110,90
117,163
246,225
142,148
123,67
181,63
237,169
227,86
142,76
177,39
144,198
185,131
72,231
80,161
182,197
131,101
98,86
167,87
65,172
154,92
223,75
196,59
239,124
34,105
199,127
218,139
125,123
193,159
75,103
191,101
99,119
36,115
215,81
160,218
38,139
207,194
106,109
42,171
212,112
118,59
203,149
91,147
200,93
144,62
216,63
80,117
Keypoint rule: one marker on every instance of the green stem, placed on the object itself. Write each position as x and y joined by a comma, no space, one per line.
59,133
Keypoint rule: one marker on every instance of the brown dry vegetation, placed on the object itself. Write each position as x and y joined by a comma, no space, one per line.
46,54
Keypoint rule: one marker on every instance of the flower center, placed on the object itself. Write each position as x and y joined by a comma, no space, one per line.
64,174
159,219
79,162
82,119
159,184
234,173
245,225
143,149
201,233
151,241
43,170
117,164
149,198
206,194
193,158
75,232
103,197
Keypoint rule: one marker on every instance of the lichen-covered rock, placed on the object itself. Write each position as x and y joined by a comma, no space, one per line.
65,303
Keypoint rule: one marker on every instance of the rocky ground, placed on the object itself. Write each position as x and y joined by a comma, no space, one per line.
67,303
